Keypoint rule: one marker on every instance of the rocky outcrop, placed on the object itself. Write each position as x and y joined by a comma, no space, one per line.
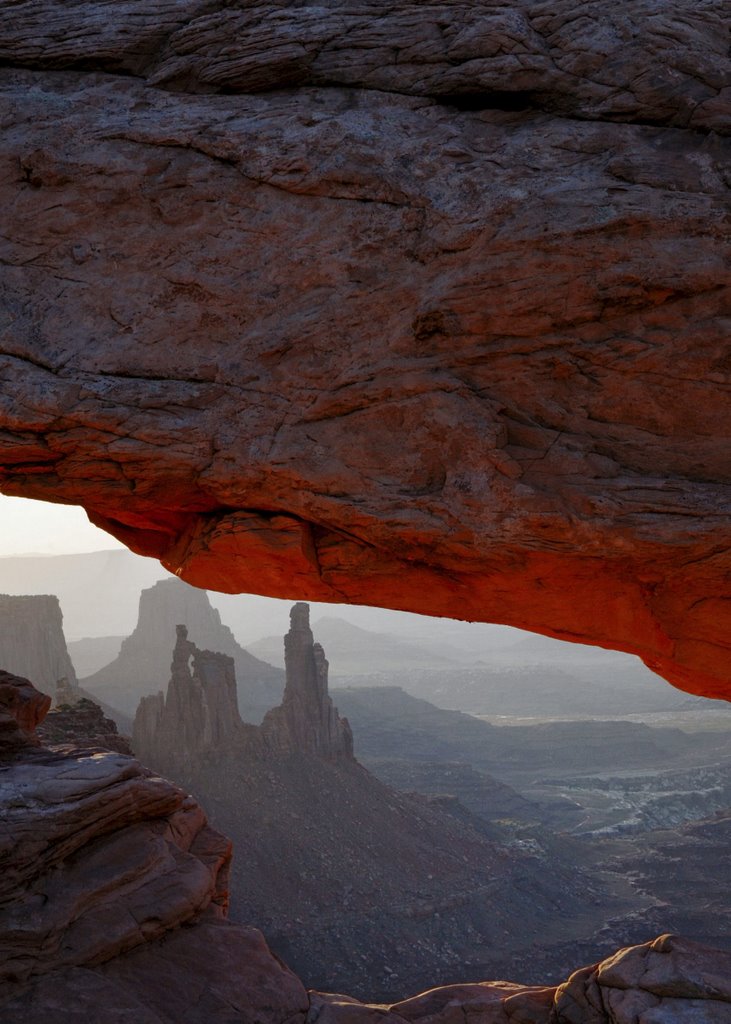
441,328
659,982
669,979
32,641
22,707
81,723
307,720
357,886
143,663
102,862
199,715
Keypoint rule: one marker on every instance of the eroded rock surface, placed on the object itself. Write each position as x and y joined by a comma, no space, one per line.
80,723
378,338
660,982
667,981
100,858
113,893
22,707
359,887
307,720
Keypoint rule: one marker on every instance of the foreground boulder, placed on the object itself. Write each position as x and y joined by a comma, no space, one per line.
667,981
433,314
112,888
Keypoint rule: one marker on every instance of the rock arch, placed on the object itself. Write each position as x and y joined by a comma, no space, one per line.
304,310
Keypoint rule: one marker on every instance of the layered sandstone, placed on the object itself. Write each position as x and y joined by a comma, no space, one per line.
81,723
32,641
102,864
22,707
431,314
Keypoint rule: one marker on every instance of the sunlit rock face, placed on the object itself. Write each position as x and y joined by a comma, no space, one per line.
431,314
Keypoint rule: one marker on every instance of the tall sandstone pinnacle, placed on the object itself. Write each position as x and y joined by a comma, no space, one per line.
348,303
306,720
143,662
199,714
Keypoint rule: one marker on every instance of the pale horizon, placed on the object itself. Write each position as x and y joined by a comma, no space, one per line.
45,528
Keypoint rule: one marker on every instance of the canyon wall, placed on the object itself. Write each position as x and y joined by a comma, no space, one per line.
32,642
431,313
102,863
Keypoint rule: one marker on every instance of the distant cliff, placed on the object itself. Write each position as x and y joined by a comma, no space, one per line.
143,663
32,643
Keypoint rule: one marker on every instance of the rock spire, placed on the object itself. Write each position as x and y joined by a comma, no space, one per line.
200,713
307,720
143,661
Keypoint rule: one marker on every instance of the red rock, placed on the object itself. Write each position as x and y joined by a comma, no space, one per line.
660,982
100,858
355,342
491,1002
22,708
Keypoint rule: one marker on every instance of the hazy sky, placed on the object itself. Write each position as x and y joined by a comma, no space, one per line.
40,528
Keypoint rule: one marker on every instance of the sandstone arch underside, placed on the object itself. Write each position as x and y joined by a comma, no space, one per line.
416,305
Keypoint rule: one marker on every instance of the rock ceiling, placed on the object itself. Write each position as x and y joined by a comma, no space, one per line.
415,305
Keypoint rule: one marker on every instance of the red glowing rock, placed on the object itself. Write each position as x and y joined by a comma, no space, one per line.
446,332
